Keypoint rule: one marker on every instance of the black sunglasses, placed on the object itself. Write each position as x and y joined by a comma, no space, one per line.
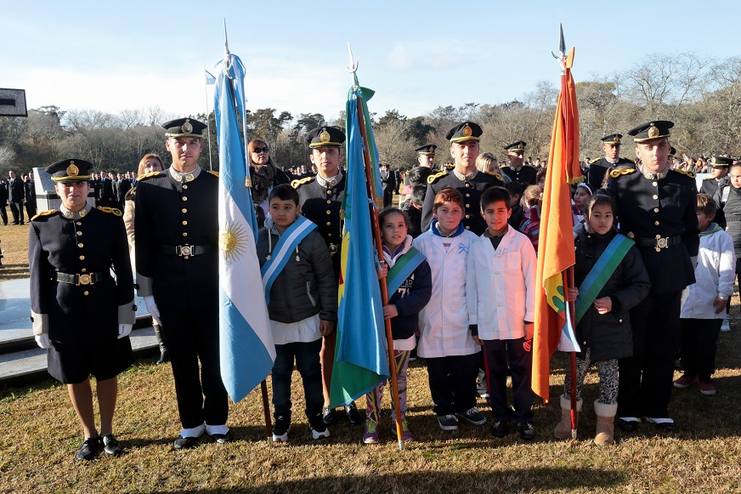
260,150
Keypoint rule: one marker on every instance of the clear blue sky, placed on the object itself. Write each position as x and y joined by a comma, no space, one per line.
417,55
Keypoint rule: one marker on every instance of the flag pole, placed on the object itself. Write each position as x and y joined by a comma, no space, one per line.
208,123
373,211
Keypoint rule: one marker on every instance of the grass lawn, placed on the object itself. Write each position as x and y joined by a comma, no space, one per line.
14,245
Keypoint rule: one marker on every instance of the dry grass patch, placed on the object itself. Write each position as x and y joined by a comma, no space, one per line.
14,245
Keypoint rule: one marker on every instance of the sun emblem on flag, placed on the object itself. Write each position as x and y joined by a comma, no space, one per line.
233,241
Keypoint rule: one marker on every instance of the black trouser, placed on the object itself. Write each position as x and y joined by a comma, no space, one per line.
4,214
31,208
306,356
699,338
453,382
498,354
17,209
646,377
201,396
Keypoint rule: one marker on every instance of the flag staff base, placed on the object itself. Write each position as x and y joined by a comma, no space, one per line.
266,409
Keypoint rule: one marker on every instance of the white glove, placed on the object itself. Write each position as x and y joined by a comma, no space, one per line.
124,330
42,340
152,309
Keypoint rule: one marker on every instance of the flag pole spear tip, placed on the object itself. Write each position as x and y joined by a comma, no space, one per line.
226,39
353,67
562,43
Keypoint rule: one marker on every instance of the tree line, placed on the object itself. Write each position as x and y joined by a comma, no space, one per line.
702,97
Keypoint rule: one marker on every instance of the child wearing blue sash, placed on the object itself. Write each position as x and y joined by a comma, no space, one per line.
301,290
409,286
612,279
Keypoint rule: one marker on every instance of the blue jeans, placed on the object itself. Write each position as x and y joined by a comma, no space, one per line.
307,362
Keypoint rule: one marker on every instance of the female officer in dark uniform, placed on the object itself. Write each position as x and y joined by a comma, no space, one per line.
82,300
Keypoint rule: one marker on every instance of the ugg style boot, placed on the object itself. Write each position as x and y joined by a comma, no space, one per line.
563,428
605,423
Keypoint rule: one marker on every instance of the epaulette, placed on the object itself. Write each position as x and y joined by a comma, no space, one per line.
619,172
149,175
115,211
48,212
301,181
685,172
214,173
496,175
435,177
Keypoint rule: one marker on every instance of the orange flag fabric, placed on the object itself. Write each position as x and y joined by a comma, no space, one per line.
556,240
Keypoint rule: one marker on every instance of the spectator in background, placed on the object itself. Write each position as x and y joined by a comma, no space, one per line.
30,195
265,175
17,192
3,200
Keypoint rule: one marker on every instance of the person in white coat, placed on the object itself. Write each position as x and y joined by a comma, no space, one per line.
500,297
704,302
445,342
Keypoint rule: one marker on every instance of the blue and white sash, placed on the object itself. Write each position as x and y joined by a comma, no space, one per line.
278,258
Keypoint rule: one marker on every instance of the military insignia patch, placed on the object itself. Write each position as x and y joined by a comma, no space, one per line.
467,131
437,176
653,131
149,175
619,172
324,136
301,181
187,127
42,214
113,211
72,170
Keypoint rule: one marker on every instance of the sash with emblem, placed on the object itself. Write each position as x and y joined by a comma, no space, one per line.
278,258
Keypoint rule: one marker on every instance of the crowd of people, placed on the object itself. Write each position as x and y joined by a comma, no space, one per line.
459,256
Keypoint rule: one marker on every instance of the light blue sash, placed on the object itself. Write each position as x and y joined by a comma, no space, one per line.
287,243
403,268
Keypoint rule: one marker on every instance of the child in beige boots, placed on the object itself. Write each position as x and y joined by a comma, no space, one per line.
612,279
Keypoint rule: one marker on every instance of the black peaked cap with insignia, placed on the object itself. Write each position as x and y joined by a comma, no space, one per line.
426,149
518,146
70,170
720,161
184,127
464,131
651,130
326,136
611,138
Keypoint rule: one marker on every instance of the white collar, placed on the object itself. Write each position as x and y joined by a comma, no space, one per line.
329,181
184,176
75,215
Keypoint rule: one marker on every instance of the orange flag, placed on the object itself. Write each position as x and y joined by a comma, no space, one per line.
556,239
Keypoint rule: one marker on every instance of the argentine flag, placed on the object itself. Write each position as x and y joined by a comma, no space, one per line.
247,351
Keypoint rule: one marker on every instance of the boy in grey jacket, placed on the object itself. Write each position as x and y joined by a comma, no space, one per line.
301,290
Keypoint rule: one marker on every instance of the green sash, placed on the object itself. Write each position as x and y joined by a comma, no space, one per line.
404,267
597,277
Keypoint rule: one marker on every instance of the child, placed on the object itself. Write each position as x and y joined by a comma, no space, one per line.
530,225
410,286
301,289
703,307
500,296
445,341
603,328
581,197
516,190
413,209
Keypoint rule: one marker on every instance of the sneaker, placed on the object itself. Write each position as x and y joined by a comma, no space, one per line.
481,387
472,416
111,446
447,422
329,416
89,449
526,431
707,388
370,433
222,438
726,326
628,424
353,416
685,381
185,442
318,427
500,428
281,427
663,424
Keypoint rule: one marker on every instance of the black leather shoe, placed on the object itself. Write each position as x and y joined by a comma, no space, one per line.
329,416
185,442
164,357
222,438
90,448
627,425
353,415
500,428
526,431
111,446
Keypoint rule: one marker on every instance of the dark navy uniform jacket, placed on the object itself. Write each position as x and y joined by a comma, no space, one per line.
647,209
172,214
598,169
92,242
525,174
471,190
322,205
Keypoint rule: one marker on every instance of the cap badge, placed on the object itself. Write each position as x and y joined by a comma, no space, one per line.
187,127
324,136
467,132
653,131
72,170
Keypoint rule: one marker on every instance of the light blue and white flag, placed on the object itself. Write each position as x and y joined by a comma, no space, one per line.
247,351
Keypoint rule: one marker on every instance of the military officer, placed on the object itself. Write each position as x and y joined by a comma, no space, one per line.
598,168
425,162
517,171
81,314
320,200
464,149
719,167
176,229
656,207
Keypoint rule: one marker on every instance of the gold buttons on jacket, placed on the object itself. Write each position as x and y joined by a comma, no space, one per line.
81,245
185,222
656,210
655,196
86,293
184,198
79,233
185,234
82,258
184,210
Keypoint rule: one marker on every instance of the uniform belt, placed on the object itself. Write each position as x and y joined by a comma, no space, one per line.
80,279
658,243
185,250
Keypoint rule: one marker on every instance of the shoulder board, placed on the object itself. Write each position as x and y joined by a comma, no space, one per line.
495,175
301,181
685,172
149,175
48,212
619,172
435,177
213,172
115,211
503,167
